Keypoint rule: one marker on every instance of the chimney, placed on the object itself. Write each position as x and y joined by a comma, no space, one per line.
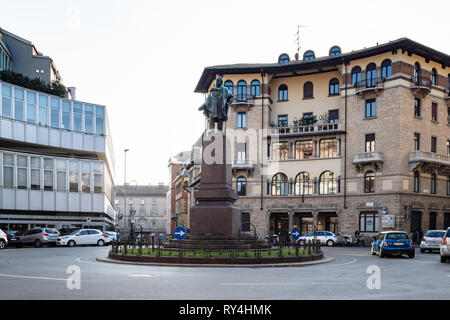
73,92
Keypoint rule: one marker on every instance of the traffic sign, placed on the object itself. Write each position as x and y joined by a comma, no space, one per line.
295,233
180,233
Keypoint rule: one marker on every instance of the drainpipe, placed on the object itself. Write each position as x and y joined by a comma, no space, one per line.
262,140
345,143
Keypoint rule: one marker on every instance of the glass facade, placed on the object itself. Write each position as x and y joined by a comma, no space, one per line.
5,60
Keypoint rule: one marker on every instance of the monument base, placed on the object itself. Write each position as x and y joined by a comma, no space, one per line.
215,219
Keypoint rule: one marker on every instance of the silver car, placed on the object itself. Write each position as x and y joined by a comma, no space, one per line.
39,237
445,247
431,240
3,239
325,237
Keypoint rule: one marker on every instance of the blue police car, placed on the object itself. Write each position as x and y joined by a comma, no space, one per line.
392,243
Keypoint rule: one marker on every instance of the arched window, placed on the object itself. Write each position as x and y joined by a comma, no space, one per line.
241,186
433,183
229,85
283,58
371,75
255,88
242,91
434,77
334,87
283,93
327,183
280,185
416,181
386,69
308,90
303,184
369,182
309,55
356,76
335,51
416,73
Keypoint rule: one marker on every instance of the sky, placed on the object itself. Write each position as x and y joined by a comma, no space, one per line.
143,59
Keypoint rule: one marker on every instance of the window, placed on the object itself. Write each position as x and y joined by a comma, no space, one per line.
371,108
433,144
282,121
54,113
98,183
66,107
241,184
328,148
356,76
434,111
371,75
73,176
19,100
61,181
308,118
77,116
334,87
434,77
448,185
48,174
369,182
327,183
21,172
448,148
280,186
229,85
8,167
99,120
368,221
417,107
416,181
433,183
283,93
245,221
333,116
335,51
86,183
255,88
417,73
35,164
370,142
6,101
303,149
242,91
309,55
284,58
303,184
43,110
308,90
31,107
280,150
417,141
242,119
88,118
386,69
241,151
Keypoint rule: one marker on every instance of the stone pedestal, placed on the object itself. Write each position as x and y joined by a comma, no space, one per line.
214,212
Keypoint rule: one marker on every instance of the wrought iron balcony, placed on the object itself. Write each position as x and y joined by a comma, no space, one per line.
369,85
429,162
246,165
304,130
368,158
421,87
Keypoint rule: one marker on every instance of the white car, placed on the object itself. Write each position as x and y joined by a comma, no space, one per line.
445,247
432,240
3,239
325,237
110,236
83,237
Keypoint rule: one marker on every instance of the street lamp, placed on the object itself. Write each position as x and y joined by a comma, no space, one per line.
125,190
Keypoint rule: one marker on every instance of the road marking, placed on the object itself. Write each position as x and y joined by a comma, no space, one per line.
346,263
281,284
140,275
30,277
79,259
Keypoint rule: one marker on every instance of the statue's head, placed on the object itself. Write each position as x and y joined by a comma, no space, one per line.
219,81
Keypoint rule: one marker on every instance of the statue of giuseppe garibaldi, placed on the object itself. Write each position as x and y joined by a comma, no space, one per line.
216,105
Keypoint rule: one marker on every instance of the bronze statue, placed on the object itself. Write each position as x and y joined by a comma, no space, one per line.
216,105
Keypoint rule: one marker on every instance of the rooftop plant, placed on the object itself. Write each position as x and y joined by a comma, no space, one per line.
54,88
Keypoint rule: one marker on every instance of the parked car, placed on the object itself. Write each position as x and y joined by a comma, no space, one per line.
83,237
325,237
3,239
67,231
13,237
445,247
393,243
432,240
38,237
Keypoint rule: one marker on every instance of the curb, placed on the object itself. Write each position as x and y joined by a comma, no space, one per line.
272,265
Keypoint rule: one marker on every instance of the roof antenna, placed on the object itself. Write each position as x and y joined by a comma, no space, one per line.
297,40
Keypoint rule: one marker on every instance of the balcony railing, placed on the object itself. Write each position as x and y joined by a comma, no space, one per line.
368,158
421,156
305,129
425,83
370,84
243,99
243,165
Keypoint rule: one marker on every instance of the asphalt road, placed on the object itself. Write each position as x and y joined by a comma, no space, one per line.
41,273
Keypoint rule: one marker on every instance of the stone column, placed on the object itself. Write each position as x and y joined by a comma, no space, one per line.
291,219
316,218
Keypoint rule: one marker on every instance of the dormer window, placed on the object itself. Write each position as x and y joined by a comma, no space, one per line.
309,55
335,51
284,58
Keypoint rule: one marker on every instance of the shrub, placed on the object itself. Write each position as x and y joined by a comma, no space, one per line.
54,88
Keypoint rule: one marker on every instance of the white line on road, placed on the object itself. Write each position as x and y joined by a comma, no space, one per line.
140,275
30,277
79,259
282,284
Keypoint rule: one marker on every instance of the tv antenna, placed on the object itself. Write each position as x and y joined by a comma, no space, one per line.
297,40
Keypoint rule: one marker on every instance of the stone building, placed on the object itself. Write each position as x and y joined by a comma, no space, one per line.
345,142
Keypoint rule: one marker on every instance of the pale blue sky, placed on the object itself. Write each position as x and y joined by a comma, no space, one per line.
142,59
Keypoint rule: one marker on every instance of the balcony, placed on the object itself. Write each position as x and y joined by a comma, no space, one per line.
421,87
243,165
361,160
307,130
447,99
370,86
429,162
243,100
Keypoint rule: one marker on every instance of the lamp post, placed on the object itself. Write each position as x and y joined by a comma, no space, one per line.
125,191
